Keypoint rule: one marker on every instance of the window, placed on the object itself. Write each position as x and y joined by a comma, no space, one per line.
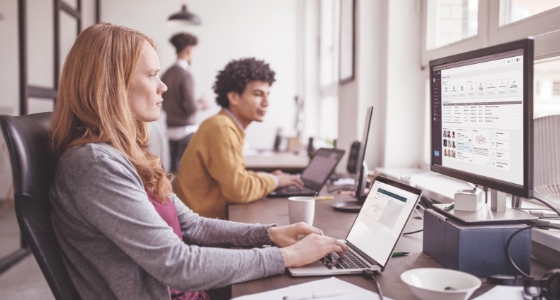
488,23
330,15
515,10
328,68
547,88
450,21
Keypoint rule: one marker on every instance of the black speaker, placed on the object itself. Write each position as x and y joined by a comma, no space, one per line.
353,165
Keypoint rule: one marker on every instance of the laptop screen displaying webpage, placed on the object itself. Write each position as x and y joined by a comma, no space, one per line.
381,220
321,166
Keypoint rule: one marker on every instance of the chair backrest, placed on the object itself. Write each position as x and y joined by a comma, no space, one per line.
33,167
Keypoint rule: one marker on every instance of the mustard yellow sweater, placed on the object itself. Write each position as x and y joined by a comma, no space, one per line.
212,170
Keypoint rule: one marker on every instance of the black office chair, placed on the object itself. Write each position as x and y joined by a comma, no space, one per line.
33,170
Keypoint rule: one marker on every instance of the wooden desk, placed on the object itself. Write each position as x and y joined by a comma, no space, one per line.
267,162
337,224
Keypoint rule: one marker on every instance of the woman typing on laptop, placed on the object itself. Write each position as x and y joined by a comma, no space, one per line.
122,232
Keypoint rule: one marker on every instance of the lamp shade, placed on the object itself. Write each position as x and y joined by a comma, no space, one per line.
185,16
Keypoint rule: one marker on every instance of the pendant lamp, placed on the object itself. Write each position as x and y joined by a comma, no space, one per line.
184,17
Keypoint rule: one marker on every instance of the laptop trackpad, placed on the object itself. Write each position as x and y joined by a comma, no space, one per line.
314,268
316,264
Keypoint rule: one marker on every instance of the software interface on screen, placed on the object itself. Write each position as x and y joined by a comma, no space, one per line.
321,166
381,220
477,122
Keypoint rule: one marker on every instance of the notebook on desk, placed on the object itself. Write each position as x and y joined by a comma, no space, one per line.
315,174
374,234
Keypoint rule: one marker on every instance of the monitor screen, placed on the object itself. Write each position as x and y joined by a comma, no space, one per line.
321,167
382,219
482,116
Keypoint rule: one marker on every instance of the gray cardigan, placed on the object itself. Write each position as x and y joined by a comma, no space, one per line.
116,246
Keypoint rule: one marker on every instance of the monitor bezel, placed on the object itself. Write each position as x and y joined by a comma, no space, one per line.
362,178
526,190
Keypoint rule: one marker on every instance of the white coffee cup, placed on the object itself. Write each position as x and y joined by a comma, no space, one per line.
301,209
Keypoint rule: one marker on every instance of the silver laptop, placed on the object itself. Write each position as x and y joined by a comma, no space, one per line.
374,234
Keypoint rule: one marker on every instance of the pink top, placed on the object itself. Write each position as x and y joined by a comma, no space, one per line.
168,213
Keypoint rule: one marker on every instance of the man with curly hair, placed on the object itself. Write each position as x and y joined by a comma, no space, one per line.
212,171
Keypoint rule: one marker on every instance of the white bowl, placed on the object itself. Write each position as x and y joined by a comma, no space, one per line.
440,284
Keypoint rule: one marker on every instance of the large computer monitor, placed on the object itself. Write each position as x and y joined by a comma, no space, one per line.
482,117
360,193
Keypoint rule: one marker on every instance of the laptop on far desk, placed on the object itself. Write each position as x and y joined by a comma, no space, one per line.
315,174
374,234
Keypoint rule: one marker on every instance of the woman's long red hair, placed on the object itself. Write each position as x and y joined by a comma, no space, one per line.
93,105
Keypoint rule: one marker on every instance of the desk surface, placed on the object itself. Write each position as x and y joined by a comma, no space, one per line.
337,224
271,161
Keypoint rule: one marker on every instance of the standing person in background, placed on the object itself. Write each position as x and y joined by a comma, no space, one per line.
179,101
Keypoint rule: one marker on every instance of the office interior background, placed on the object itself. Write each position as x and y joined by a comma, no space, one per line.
393,42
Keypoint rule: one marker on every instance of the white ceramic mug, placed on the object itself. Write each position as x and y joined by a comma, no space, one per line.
301,209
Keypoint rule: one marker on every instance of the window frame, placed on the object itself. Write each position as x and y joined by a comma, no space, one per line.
543,27
471,43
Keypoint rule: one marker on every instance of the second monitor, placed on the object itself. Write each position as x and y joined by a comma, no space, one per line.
355,206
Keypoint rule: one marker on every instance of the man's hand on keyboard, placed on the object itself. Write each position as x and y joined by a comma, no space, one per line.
285,179
310,249
285,236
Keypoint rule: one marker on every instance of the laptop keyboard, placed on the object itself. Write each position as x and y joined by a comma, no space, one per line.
294,190
348,261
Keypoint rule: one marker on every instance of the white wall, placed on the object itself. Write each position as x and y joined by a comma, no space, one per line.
388,77
265,29
405,99
40,59
369,85
8,82
308,13
9,59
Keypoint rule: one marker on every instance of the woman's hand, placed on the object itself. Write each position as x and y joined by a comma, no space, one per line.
310,249
285,236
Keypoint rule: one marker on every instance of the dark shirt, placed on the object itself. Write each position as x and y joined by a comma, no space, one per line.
178,102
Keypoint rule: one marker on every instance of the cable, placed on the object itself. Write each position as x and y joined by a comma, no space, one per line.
545,203
416,211
369,274
508,254
511,238
422,217
542,226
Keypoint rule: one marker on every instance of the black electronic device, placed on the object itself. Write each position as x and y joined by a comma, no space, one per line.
482,118
534,288
352,167
355,206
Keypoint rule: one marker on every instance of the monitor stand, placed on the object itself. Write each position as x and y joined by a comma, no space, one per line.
493,212
356,206
350,206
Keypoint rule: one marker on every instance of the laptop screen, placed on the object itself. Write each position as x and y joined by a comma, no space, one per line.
321,167
382,219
